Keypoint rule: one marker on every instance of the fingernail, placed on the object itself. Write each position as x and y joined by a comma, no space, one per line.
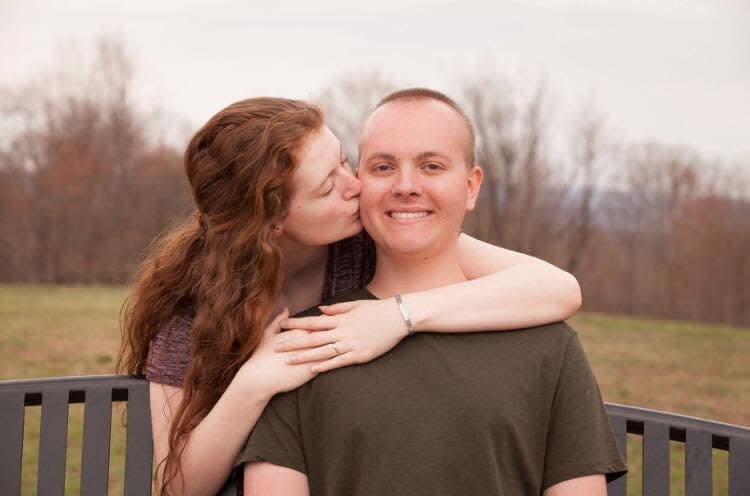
290,359
314,369
278,346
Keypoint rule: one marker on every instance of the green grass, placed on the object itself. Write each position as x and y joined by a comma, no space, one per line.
690,368
56,331
683,367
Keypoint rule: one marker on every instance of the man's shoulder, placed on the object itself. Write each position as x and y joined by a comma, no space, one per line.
543,341
557,329
342,297
556,334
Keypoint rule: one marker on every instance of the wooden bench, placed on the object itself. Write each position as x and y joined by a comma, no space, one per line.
97,393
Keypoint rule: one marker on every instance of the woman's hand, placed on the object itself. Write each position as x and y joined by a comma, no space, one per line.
269,372
347,333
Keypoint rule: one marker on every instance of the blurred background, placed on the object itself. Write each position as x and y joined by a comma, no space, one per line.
614,135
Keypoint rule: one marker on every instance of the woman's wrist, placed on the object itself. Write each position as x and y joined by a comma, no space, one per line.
413,307
404,315
250,384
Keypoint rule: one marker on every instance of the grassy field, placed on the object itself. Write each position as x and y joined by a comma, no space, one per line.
688,368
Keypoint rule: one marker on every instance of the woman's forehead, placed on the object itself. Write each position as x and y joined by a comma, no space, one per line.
319,155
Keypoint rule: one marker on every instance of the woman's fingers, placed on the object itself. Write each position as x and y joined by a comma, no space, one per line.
318,323
304,341
324,352
338,307
275,326
334,363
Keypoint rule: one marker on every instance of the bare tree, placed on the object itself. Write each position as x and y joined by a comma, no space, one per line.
73,152
347,103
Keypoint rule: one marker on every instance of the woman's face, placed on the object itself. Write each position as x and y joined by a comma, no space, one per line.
324,206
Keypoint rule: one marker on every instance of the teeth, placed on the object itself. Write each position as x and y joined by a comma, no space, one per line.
409,215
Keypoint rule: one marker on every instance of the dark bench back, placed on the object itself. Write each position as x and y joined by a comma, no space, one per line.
98,393
700,438
54,395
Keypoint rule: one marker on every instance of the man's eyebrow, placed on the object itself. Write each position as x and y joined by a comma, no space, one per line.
381,156
426,155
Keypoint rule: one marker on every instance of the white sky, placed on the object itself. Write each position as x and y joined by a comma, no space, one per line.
674,71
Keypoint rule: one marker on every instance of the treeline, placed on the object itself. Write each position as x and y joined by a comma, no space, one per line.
86,184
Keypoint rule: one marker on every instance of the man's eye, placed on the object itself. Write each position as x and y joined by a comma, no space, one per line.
382,167
433,166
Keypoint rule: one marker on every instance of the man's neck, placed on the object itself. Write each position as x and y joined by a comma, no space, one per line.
399,274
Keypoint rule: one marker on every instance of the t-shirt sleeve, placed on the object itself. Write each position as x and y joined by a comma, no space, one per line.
169,352
580,441
276,437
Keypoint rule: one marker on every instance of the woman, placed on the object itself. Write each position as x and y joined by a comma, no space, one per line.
277,227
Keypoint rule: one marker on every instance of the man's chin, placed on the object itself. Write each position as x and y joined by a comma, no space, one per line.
408,246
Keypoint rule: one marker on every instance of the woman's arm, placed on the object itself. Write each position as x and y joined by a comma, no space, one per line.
505,290
212,446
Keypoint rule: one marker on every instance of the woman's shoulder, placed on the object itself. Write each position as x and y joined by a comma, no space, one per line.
351,264
169,354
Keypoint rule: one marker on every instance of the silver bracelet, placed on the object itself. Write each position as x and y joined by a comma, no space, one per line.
405,315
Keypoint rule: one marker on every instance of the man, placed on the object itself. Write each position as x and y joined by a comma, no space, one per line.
502,413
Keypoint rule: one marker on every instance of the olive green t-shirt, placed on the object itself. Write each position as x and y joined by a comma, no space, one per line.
485,413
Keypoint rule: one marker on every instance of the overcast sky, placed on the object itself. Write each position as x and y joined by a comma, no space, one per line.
674,71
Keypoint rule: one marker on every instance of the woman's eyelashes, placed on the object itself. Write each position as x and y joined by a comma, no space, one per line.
345,164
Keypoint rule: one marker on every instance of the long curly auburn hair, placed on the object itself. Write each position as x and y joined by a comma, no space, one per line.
224,261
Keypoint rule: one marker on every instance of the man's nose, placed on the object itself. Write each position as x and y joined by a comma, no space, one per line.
406,183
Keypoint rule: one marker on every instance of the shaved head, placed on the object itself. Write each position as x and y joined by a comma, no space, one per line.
417,94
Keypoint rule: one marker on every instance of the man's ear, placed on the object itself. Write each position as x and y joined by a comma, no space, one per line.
473,184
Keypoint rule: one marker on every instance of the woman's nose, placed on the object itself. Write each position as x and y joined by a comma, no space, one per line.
353,185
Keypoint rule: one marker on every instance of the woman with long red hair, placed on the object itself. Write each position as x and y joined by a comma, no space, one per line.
276,230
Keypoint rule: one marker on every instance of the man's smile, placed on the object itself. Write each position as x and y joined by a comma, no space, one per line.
408,215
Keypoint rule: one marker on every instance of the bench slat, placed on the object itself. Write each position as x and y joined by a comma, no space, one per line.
739,466
655,459
11,441
138,447
52,442
97,422
619,427
698,463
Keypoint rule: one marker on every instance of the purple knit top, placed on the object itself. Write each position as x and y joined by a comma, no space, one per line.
350,265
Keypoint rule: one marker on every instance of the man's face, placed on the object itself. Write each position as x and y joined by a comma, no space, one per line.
416,185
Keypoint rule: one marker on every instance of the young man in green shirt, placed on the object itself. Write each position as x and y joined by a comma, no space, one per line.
505,413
